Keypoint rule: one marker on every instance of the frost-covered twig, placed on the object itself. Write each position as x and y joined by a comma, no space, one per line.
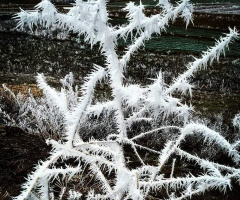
212,54
66,111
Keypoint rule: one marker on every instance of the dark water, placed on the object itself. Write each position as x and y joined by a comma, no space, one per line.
192,40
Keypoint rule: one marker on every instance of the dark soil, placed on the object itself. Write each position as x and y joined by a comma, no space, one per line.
20,152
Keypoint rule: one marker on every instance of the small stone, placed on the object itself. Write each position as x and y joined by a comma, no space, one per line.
2,130
3,133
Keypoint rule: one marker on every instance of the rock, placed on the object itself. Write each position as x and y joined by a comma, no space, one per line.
2,131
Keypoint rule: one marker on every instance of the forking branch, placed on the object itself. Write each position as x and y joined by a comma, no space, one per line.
104,157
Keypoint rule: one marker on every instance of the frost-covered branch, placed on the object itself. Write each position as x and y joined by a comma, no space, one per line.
209,56
150,25
69,111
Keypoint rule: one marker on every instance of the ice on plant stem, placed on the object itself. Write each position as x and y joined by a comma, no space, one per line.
66,113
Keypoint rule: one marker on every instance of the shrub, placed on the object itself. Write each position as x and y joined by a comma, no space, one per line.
107,161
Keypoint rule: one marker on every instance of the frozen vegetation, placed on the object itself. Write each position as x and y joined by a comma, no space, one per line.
63,115
219,9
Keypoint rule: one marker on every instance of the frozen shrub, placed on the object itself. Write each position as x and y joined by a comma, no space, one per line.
106,161
236,121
